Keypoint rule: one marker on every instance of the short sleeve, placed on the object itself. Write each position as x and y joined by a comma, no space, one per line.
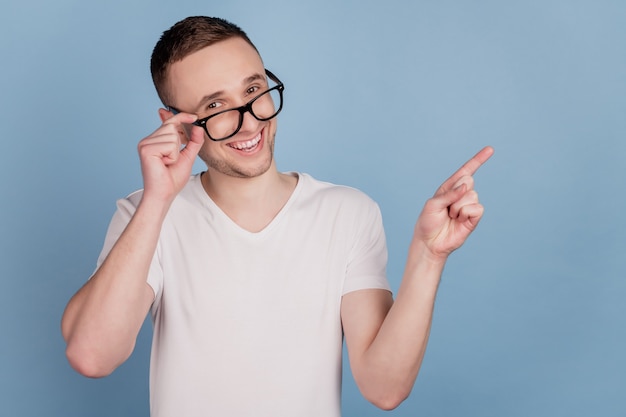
126,208
367,263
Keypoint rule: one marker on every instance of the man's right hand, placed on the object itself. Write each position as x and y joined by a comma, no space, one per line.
101,322
166,167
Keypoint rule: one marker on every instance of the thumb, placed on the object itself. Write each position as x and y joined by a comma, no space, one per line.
193,146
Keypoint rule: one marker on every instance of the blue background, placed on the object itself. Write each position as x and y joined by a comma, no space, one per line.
390,97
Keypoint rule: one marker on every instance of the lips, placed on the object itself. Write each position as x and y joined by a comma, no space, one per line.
247,145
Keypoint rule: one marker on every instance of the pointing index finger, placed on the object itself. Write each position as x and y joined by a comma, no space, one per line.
469,168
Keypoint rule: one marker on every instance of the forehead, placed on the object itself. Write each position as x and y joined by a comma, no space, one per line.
222,66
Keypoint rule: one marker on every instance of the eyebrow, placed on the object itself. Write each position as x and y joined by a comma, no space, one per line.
217,94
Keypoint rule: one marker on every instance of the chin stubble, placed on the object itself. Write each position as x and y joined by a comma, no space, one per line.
234,170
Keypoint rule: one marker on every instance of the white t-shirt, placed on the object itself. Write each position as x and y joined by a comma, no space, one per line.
248,324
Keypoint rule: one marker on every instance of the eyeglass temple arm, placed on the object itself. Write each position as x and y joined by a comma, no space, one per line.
272,77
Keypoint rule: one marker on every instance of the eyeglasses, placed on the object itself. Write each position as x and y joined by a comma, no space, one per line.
226,123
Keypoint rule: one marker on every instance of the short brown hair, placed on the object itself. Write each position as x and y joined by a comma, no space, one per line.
184,38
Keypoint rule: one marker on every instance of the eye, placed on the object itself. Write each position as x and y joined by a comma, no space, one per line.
214,107
252,90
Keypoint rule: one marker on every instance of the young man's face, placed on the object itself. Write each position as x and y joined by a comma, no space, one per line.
222,76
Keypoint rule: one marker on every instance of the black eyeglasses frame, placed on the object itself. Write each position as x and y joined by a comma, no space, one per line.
242,110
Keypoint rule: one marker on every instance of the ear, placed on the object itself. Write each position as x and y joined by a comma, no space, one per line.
165,114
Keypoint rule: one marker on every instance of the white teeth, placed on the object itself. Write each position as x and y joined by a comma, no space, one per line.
246,145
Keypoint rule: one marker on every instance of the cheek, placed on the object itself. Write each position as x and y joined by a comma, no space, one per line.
273,127
210,150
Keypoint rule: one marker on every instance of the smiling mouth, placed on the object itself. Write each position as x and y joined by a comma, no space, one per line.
248,145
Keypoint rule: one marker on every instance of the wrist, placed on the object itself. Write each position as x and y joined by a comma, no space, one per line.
423,270
153,207
420,252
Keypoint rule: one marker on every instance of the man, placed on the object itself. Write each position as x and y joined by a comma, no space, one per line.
253,276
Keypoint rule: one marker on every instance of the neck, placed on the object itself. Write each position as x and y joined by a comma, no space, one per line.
252,203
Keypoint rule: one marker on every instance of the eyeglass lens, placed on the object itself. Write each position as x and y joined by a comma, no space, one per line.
225,124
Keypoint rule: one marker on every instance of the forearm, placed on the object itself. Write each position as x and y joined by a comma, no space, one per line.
389,350
393,359
102,320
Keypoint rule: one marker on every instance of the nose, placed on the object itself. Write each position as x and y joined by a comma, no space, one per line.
249,122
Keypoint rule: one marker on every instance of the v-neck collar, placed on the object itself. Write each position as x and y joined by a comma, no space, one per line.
210,204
